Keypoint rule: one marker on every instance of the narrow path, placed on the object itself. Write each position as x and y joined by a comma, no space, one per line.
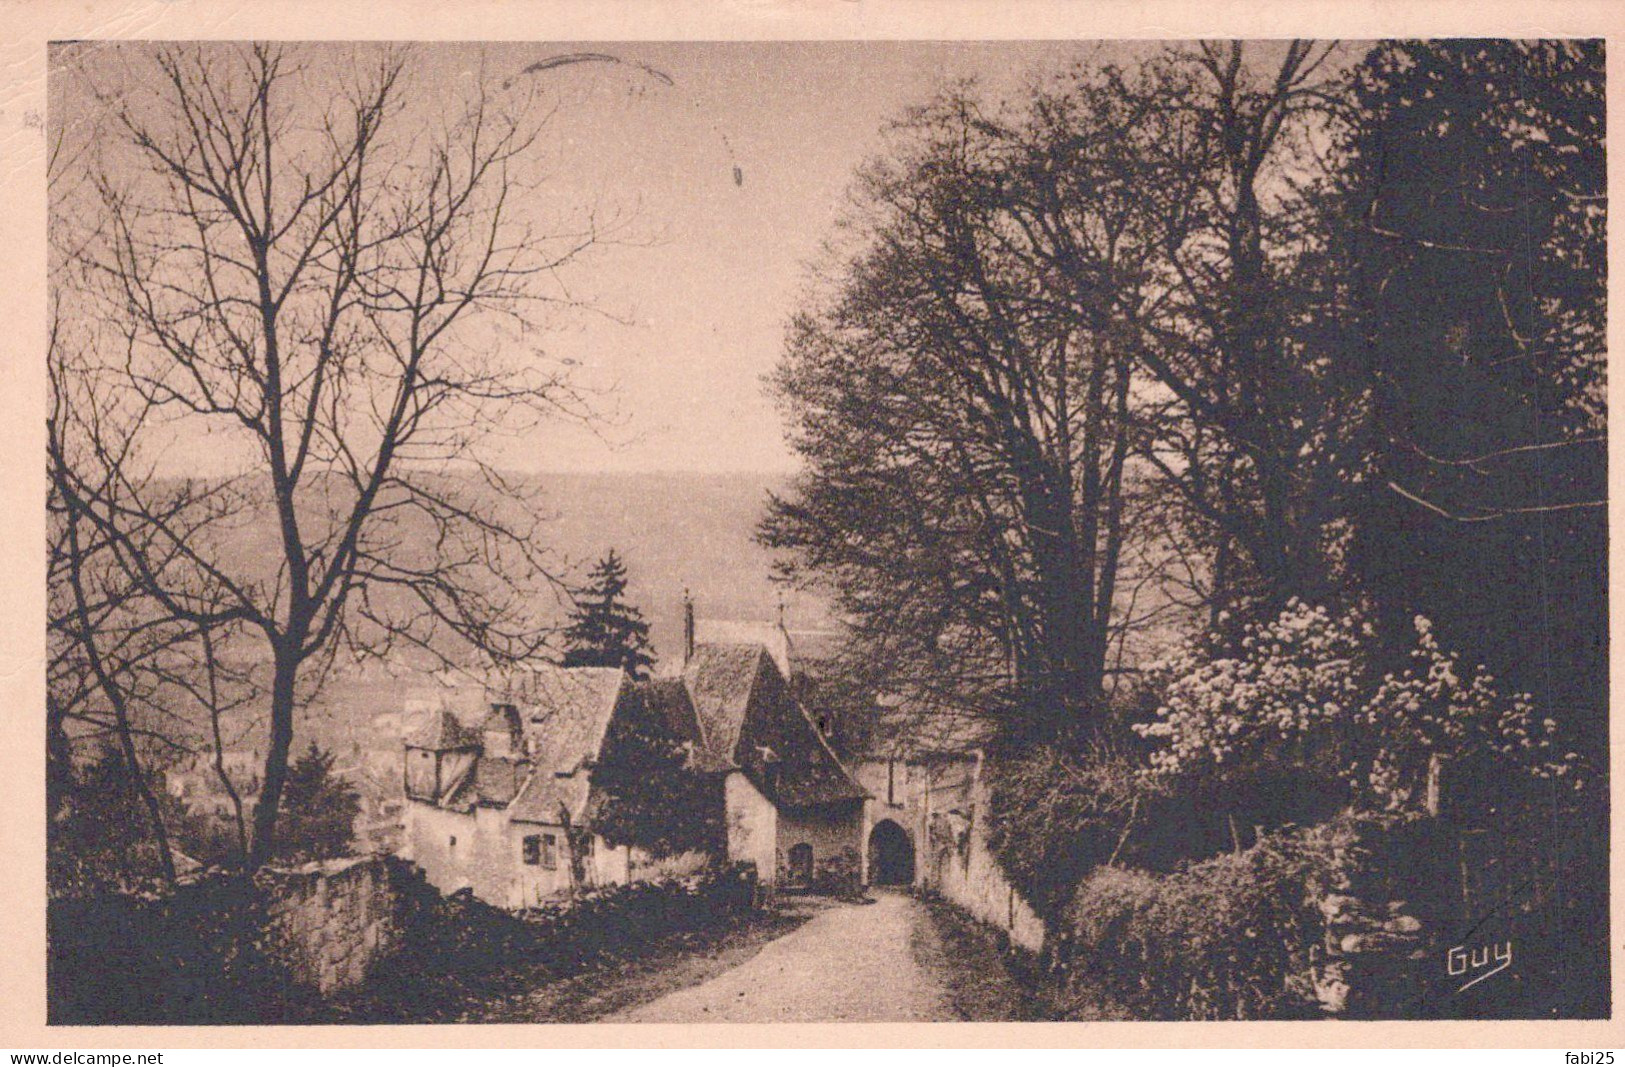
850,963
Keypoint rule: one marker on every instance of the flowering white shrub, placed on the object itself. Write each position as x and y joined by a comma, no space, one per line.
1440,707
1304,692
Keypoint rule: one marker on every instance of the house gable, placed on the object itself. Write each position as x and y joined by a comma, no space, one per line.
749,719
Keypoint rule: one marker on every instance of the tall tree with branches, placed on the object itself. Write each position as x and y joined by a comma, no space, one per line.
1253,428
964,398
1477,217
282,253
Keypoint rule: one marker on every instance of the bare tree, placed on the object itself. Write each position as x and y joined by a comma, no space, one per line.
294,255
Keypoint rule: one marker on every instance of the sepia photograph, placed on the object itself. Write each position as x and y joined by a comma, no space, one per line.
825,531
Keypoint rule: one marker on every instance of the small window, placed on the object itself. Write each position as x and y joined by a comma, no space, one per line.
453,843
533,850
550,852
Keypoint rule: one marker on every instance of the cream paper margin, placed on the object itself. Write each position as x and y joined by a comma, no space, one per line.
25,28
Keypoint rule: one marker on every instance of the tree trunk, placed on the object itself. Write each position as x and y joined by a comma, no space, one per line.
220,749
283,681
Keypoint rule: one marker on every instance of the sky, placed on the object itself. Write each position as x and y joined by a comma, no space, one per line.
728,180
723,168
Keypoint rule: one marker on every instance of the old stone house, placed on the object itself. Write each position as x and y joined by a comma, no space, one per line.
500,788
790,807
497,802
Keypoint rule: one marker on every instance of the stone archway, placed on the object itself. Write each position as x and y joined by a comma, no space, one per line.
891,855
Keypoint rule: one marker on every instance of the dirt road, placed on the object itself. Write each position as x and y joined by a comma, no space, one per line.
878,962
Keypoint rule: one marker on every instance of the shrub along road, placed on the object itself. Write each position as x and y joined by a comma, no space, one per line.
892,960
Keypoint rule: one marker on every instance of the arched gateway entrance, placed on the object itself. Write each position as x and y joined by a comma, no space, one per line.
891,855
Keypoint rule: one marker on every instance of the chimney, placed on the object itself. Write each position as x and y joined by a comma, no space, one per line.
783,653
688,628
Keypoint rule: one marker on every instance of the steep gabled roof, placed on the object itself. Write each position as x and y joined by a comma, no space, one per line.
720,680
565,712
749,719
669,700
500,717
441,732
790,760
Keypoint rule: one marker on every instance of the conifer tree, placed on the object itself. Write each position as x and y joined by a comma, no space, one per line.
606,631
319,810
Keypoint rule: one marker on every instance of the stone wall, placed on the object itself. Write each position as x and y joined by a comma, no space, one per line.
752,826
833,832
332,922
959,866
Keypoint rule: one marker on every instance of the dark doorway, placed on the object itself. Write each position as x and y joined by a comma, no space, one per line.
801,864
891,855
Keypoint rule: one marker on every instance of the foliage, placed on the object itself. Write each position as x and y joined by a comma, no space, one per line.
1476,214
195,953
98,838
1055,814
604,630
1232,937
647,795
1305,694
840,875
318,810
459,953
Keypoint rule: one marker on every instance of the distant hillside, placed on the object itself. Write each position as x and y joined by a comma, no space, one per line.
676,530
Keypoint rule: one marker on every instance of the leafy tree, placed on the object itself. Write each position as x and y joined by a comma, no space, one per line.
962,400
1249,436
1477,215
92,842
1477,212
319,810
646,794
1307,701
604,630
1076,350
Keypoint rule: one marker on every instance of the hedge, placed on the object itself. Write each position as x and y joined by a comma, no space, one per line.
1226,938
